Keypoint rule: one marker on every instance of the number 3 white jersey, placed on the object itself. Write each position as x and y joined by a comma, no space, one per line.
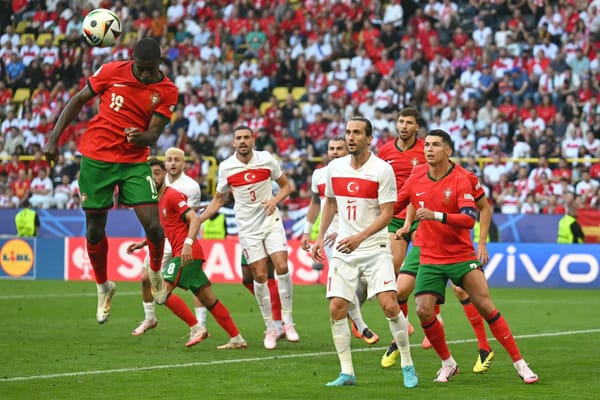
251,185
319,182
189,187
358,194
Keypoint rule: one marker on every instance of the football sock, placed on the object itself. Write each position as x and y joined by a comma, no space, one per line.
261,292
275,300
98,254
149,310
223,318
434,330
285,295
249,286
403,307
477,323
437,312
399,328
180,308
356,315
201,315
502,333
156,254
341,339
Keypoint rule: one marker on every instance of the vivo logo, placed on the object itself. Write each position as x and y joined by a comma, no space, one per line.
578,268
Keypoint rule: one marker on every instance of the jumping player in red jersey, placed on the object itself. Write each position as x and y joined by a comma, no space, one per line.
184,269
136,102
445,209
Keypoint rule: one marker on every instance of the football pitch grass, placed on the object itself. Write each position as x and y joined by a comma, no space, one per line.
52,348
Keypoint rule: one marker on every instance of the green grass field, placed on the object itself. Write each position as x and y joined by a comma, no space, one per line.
52,348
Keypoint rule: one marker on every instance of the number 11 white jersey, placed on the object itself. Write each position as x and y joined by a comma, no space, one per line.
358,194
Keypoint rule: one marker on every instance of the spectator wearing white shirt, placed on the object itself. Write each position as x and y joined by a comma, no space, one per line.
535,123
193,107
586,185
482,35
62,192
210,49
394,14
487,143
11,36
464,144
361,63
493,171
570,144
42,190
198,126
469,79
29,51
311,109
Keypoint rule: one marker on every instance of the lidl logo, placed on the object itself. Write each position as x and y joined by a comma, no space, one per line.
16,257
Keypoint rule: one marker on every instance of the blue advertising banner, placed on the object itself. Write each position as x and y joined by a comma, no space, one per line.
27,258
539,265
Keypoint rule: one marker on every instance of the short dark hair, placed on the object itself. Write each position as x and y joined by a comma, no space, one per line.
442,134
242,128
368,125
147,49
155,161
410,112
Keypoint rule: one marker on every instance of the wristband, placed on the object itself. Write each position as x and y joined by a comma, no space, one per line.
438,216
308,227
189,241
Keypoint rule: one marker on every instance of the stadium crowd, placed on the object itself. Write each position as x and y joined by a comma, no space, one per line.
515,83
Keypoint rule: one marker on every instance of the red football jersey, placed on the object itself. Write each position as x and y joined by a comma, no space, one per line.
172,207
125,102
402,162
441,243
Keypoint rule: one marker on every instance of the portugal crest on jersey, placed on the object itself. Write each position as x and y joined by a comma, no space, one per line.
447,194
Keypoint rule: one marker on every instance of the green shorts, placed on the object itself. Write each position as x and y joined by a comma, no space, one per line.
191,277
98,179
398,223
412,261
432,279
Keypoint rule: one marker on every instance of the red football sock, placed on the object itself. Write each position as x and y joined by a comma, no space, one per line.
249,286
156,254
98,254
275,299
223,318
403,307
477,323
436,309
180,308
434,330
502,333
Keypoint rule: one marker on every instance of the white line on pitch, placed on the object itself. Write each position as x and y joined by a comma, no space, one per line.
255,359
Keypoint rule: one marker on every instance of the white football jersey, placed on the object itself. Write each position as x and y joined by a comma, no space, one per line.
358,194
319,181
189,187
251,185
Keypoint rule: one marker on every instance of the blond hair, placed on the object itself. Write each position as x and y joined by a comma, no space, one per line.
174,151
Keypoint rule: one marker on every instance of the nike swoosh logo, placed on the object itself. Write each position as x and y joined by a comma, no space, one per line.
420,193
119,85
387,282
390,161
154,196
351,201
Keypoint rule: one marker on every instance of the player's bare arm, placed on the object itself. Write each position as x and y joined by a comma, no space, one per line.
213,207
136,246
65,118
311,217
150,136
329,210
405,229
284,191
193,222
350,243
485,220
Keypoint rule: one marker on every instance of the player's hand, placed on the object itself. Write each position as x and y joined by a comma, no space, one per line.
135,246
349,244
482,253
424,214
51,154
270,206
330,239
402,232
317,250
131,134
306,241
186,254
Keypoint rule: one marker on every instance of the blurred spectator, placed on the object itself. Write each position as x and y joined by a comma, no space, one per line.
42,190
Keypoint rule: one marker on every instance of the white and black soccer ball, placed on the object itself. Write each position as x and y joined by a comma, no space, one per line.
101,27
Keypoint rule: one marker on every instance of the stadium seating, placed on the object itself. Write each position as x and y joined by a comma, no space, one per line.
21,94
298,92
281,93
42,37
25,36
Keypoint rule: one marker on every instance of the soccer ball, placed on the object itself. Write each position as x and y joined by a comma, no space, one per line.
101,27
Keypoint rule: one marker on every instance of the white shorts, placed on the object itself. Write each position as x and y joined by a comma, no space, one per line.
345,271
256,248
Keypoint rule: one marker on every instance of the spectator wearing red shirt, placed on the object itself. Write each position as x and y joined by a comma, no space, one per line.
13,167
563,170
284,142
318,128
546,110
37,164
553,206
21,186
